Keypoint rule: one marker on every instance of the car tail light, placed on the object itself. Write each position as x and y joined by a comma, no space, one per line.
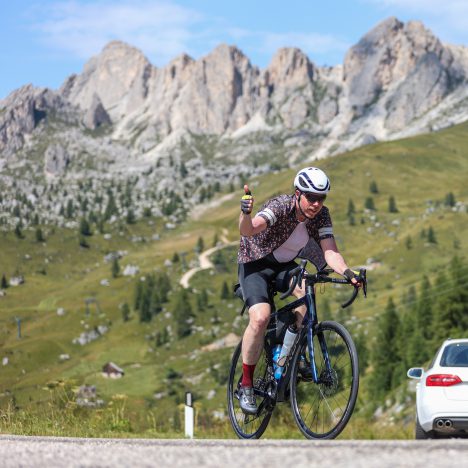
442,380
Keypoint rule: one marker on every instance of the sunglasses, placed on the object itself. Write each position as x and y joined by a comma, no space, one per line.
313,197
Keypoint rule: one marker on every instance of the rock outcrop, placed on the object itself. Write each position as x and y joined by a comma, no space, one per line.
22,111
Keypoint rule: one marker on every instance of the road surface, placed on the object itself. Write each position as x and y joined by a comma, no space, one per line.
54,452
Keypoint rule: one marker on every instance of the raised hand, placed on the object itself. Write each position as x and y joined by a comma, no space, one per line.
247,201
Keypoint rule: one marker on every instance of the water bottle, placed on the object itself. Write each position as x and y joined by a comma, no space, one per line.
289,338
276,353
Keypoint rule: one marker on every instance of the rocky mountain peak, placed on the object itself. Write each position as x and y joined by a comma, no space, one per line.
118,76
291,67
385,58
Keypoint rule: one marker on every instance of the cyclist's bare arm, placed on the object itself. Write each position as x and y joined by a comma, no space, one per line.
333,257
248,226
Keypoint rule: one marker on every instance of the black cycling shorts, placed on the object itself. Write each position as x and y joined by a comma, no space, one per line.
255,277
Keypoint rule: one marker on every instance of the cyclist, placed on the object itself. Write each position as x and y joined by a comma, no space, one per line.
270,241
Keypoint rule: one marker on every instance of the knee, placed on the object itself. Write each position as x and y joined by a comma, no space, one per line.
259,318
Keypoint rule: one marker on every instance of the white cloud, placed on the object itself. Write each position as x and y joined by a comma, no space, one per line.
161,29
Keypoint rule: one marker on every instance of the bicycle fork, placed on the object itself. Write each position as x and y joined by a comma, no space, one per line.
311,323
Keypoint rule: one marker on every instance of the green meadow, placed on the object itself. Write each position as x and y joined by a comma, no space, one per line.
399,241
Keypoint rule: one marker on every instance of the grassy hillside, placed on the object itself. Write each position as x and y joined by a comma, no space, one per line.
418,172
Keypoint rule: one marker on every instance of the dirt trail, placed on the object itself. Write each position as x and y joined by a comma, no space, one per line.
204,259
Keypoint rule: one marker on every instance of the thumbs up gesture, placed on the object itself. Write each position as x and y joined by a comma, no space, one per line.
247,201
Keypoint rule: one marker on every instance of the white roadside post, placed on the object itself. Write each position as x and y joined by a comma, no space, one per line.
188,415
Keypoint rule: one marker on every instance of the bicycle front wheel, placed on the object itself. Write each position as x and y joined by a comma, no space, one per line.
249,426
322,410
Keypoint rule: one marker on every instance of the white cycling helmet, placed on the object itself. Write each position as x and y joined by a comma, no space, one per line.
312,180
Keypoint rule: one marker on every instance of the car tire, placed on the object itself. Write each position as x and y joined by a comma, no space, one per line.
420,433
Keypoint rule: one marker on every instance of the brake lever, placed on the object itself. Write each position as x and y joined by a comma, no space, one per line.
363,276
301,273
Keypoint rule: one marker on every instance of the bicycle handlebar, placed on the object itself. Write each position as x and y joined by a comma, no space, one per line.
296,275
322,277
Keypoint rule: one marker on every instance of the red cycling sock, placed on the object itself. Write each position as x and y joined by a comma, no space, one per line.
247,374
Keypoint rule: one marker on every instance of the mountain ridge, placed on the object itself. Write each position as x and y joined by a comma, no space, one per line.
219,117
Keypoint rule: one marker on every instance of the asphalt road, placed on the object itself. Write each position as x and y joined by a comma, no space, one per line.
17,451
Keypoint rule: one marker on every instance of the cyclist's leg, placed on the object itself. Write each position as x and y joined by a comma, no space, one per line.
301,310
252,342
253,278
282,284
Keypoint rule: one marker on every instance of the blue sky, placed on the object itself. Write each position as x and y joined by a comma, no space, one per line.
43,42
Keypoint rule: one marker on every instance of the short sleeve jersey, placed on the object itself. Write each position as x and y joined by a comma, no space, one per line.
280,215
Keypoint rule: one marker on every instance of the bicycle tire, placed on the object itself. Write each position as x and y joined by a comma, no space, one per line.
317,408
247,426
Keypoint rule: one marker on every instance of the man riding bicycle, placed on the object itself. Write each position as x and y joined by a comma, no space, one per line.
285,226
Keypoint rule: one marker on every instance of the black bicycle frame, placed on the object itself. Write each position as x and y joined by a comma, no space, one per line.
309,324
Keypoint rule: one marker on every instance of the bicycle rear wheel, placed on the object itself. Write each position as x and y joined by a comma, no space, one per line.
322,410
249,426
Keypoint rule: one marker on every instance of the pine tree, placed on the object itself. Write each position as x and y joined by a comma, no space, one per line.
155,303
431,237
39,235
202,300
392,208
138,295
225,291
130,218
408,243
83,242
373,187
182,313
69,210
451,308
360,340
85,229
163,285
450,199
4,283
18,231
200,245
115,268
351,208
111,208
424,310
183,170
125,312
369,203
405,333
145,311
385,355
175,258
215,240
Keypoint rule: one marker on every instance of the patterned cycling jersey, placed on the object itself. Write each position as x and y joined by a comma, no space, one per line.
280,215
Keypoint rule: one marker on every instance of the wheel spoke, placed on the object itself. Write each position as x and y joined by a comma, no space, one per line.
248,426
322,409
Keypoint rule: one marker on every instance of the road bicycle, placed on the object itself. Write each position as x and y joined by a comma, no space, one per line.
322,405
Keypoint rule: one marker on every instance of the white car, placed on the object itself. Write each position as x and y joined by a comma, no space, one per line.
442,392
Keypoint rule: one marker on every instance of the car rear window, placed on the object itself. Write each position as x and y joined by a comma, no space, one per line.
455,355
